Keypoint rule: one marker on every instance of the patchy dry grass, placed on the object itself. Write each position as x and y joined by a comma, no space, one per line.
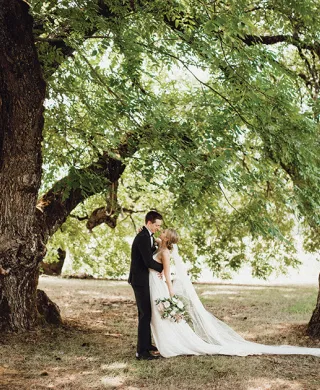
95,348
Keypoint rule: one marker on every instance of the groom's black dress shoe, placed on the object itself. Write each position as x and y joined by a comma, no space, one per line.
153,349
146,356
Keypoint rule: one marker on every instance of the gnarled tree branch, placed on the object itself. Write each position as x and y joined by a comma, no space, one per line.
55,206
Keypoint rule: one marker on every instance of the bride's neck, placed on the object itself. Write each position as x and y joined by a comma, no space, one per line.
163,246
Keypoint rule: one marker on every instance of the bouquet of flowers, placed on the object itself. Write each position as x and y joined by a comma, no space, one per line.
172,308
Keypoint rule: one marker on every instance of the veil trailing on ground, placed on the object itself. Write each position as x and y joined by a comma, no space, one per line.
213,331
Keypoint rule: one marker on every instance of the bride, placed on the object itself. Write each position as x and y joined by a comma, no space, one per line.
206,335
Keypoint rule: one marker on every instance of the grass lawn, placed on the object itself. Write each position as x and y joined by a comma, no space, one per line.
95,348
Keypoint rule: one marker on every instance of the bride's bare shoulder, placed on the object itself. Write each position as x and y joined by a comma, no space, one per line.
166,253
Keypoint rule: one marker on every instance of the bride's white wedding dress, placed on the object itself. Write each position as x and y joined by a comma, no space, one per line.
208,335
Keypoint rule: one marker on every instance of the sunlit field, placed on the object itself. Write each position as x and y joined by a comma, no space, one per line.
95,348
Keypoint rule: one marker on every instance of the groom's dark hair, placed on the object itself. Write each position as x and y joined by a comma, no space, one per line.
152,216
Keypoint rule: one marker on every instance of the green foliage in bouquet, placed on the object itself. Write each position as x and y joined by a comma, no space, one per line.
172,308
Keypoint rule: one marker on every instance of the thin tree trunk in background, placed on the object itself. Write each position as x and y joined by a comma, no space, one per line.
22,92
56,267
314,323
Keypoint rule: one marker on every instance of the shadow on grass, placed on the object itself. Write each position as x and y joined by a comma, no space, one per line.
79,357
95,348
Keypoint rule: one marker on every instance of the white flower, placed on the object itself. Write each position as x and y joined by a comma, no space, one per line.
174,300
166,304
173,313
180,305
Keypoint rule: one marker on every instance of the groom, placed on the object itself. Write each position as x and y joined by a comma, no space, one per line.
141,260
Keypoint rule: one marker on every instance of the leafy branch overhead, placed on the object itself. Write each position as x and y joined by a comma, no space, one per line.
220,101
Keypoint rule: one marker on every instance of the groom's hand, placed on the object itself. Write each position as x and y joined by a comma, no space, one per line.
160,275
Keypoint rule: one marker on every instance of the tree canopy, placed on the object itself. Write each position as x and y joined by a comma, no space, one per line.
212,110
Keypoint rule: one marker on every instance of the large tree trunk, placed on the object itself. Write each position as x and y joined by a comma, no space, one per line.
22,92
314,324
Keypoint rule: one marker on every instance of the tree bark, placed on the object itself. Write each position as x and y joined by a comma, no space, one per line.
314,323
48,310
22,92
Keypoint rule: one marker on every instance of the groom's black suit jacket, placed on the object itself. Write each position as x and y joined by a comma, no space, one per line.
142,260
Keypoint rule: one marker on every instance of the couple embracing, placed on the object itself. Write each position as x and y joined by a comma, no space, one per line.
203,333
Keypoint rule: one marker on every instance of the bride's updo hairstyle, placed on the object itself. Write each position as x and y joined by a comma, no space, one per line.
172,237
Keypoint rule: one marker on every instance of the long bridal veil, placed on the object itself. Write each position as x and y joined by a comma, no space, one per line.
212,330
205,325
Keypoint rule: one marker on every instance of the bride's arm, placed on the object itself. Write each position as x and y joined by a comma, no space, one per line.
166,270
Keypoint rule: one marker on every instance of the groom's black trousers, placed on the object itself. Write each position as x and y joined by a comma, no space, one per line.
142,294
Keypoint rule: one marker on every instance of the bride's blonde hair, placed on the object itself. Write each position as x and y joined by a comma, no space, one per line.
172,237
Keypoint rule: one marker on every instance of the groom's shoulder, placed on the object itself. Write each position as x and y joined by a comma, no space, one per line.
141,235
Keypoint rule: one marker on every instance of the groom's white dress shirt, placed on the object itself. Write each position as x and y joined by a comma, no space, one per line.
151,236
